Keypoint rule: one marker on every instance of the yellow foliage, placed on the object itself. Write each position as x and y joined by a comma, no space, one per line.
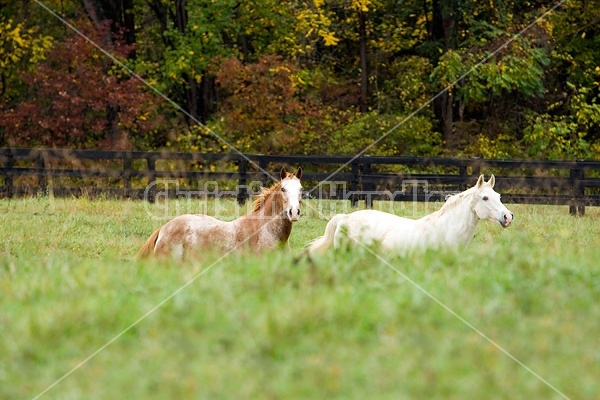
361,5
329,38
20,45
311,21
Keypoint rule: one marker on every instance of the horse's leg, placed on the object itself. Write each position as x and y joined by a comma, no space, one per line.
331,235
340,236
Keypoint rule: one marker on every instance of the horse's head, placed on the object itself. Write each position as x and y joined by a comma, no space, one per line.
488,205
291,191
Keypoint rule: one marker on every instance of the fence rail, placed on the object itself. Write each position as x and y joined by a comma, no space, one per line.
368,178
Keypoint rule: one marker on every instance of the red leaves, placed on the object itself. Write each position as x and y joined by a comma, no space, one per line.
260,102
76,99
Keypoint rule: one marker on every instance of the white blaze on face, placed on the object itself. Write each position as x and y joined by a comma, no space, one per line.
292,195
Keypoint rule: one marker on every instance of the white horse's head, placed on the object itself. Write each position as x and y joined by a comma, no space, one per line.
488,205
291,190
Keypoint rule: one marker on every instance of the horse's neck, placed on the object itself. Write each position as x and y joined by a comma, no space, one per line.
456,223
269,219
272,207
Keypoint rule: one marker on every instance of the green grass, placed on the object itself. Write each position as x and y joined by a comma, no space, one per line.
259,327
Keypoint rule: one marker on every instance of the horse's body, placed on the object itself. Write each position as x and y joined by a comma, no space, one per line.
268,225
453,225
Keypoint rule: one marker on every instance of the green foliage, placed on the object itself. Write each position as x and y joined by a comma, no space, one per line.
556,138
193,47
560,136
401,135
572,116
576,44
520,71
298,79
405,90
503,146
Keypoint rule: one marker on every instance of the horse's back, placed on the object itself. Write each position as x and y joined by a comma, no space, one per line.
377,220
192,231
191,222
389,230
379,216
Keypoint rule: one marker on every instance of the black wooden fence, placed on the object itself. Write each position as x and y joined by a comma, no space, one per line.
131,174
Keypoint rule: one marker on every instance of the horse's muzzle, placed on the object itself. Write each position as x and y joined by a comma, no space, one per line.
293,215
507,219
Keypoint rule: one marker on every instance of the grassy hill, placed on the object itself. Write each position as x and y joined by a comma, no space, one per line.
514,315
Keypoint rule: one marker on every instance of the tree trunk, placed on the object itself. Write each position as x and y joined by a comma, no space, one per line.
192,97
207,97
442,30
129,25
115,135
96,19
364,73
191,91
181,15
161,13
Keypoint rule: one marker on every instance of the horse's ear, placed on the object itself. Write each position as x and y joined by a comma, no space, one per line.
492,181
299,173
283,173
480,181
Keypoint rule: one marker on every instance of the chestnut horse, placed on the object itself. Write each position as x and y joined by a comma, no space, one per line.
267,225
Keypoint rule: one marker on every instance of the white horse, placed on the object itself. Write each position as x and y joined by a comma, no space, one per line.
453,225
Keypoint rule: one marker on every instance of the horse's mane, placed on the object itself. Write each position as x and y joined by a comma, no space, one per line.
266,192
453,199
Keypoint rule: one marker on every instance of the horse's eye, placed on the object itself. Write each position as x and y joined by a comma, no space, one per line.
485,198
283,189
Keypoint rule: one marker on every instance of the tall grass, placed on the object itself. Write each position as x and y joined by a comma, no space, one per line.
346,326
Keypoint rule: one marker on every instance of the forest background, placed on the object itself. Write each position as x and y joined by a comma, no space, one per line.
304,77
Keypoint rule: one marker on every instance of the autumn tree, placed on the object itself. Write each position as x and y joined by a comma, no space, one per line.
307,76
78,98
188,35
567,122
21,48
261,108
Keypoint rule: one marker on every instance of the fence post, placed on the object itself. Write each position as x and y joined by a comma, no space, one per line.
354,185
242,192
41,174
151,162
368,187
8,178
476,164
578,191
126,174
265,174
462,171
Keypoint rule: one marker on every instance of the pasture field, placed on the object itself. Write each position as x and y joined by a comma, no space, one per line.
515,315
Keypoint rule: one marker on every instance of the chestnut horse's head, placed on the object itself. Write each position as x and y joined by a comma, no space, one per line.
291,193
